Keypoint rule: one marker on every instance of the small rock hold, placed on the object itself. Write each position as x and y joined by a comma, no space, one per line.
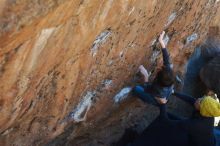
107,83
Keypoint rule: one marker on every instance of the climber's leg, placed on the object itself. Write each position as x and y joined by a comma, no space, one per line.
146,97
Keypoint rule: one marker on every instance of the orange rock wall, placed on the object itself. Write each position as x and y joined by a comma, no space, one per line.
63,62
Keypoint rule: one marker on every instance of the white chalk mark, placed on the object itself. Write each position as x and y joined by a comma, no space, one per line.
122,94
154,56
166,40
171,19
80,112
191,38
100,39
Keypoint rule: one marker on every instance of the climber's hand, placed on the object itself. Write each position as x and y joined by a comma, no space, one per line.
161,40
144,72
161,100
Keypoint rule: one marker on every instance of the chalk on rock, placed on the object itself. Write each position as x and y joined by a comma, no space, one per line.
191,38
154,56
166,40
80,112
107,83
122,95
100,39
153,42
171,19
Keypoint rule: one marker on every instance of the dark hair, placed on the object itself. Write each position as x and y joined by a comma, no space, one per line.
165,77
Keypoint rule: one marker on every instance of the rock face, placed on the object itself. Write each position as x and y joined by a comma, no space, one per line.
66,66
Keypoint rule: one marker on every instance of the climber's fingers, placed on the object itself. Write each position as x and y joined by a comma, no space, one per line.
162,36
161,40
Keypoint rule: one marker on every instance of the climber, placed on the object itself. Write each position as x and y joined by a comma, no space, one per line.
200,127
169,130
162,86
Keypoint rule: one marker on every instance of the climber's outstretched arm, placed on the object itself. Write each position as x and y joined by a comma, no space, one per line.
166,57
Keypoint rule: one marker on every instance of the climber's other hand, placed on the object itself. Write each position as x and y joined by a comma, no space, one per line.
161,40
161,100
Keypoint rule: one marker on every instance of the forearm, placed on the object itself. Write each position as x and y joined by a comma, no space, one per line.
166,57
146,79
187,98
162,44
144,72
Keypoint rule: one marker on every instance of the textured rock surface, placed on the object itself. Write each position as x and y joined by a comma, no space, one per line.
62,62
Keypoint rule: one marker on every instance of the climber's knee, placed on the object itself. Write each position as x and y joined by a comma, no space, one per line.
138,90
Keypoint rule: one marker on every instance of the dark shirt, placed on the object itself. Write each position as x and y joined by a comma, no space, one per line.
156,89
199,129
163,132
166,58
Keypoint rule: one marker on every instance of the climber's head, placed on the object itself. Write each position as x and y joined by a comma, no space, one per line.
208,106
165,77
